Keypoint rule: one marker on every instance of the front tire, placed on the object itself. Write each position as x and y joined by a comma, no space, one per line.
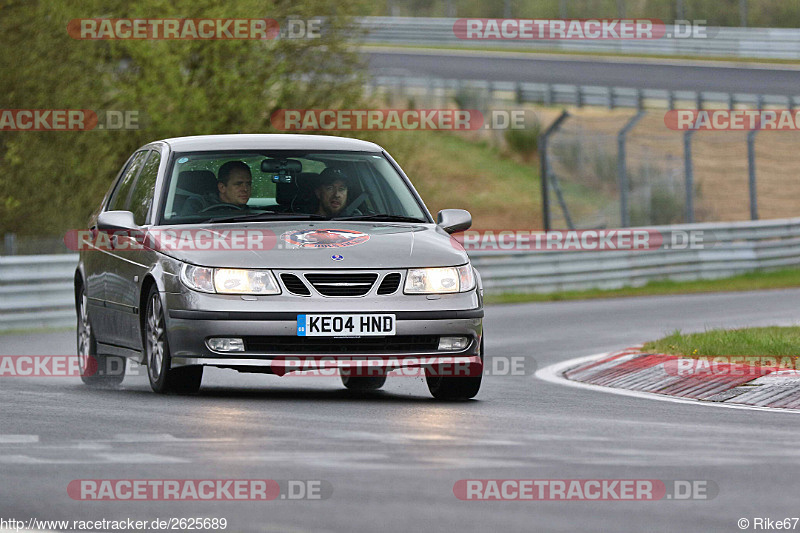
163,379
453,387
102,371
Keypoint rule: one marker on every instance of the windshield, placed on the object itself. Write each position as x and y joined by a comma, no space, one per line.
233,186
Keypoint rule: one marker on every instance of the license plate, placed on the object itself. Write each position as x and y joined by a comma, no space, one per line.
345,325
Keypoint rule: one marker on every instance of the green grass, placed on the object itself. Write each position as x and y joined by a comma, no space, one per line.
779,279
499,190
782,343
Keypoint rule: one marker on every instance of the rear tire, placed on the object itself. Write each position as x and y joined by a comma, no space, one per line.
163,379
101,371
453,387
359,383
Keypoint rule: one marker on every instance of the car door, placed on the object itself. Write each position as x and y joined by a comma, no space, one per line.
131,261
93,259
114,323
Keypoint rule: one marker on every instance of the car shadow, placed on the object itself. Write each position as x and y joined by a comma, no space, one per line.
293,394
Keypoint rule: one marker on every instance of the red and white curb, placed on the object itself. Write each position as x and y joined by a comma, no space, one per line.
660,377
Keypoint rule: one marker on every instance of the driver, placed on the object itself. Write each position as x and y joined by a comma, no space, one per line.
234,183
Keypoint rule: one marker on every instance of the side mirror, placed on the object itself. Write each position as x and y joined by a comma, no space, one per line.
115,221
454,220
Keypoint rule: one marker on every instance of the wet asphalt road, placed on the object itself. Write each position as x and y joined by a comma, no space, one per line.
392,457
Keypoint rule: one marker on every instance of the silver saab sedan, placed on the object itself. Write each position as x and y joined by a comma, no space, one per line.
275,254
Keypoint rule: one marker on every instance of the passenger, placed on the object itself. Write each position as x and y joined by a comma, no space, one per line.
331,191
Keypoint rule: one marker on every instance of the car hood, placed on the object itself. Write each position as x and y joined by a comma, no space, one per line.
311,245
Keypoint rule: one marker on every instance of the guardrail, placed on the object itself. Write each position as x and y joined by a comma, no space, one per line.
760,43
441,89
728,249
37,290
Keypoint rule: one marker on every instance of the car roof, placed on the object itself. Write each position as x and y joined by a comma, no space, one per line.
266,141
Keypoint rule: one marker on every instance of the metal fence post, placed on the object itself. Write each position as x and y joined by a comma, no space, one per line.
743,13
689,175
545,168
10,244
622,169
751,171
751,164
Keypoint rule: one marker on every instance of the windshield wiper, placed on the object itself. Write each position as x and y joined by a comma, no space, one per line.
269,215
382,218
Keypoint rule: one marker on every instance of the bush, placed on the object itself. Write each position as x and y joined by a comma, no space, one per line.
524,142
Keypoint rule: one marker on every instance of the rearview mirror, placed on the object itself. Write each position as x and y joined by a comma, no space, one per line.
281,170
116,220
454,220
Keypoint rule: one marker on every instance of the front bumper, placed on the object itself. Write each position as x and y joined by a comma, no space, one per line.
189,330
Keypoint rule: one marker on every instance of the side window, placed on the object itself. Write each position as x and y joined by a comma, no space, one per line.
120,196
142,195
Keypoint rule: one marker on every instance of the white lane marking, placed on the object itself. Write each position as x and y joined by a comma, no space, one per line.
101,458
553,374
159,437
18,439
378,461
410,438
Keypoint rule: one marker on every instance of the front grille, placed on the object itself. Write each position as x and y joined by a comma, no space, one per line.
342,284
389,284
397,344
295,285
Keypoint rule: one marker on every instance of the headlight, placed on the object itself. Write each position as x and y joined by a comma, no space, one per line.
198,278
439,280
239,281
229,280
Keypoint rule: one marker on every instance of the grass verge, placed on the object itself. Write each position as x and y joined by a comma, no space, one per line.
779,279
781,343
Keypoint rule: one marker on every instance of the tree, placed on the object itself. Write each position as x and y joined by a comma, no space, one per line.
51,181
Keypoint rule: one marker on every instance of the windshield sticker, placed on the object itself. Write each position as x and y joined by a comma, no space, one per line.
325,238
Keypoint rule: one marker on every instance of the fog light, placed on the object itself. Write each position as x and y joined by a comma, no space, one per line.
450,344
226,345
